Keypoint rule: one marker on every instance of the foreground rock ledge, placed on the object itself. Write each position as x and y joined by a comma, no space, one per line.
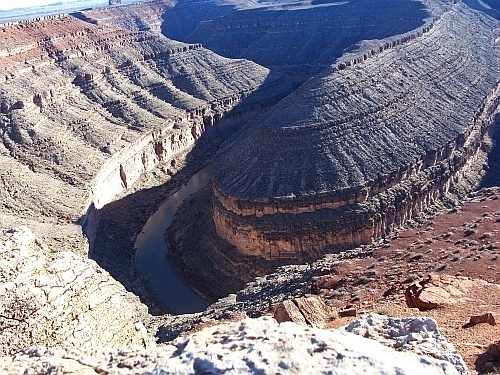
61,299
247,347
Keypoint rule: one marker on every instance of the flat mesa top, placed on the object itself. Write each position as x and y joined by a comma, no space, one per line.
343,129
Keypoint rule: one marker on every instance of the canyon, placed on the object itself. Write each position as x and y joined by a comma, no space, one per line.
423,107
328,126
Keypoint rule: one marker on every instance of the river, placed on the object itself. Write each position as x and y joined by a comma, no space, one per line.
151,253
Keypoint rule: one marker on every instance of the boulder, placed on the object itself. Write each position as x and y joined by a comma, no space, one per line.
418,335
310,311
287,311
484,318
494,349
440,290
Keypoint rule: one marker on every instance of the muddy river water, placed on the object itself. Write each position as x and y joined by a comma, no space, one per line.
151,252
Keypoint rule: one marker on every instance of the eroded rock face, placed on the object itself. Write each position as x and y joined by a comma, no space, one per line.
86,108
247,347
61,299
352,153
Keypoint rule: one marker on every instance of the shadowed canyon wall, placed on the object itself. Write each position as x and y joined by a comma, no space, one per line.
299,39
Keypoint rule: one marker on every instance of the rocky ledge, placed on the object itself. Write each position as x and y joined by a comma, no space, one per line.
264,346
59,298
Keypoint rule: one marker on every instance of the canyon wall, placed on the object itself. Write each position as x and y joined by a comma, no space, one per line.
364,147
299,39
86,108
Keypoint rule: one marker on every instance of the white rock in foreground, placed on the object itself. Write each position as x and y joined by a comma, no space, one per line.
261,346
418,335
61,299
253,346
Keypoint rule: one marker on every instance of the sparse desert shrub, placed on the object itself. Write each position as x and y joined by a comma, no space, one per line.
385,311
485,235
363,280
371,272
441,267
336,293
469,232
456,258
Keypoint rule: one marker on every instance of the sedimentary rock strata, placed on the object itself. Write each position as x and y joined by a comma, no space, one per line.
146,16
86,109
300,38
360,149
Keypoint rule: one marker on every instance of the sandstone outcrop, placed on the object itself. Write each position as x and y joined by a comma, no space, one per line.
247,347
436,291
310,311
61,299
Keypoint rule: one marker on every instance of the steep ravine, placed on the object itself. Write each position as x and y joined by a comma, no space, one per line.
96,116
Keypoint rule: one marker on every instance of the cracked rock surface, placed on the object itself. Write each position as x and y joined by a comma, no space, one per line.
61,299
417,335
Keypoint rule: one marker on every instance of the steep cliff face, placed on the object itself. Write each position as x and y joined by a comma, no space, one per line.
362,148
86,109
299,38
